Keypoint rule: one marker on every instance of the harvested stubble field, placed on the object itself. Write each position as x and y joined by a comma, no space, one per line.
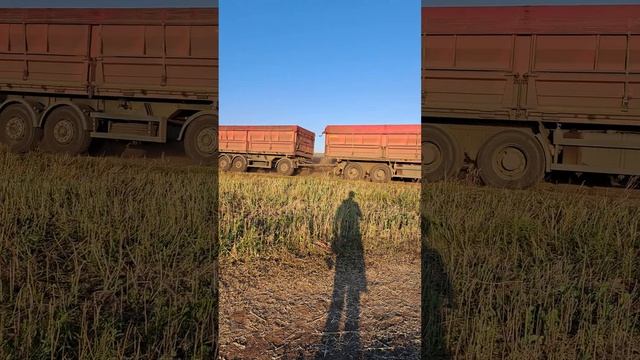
278,296
105,259
534,274
273,216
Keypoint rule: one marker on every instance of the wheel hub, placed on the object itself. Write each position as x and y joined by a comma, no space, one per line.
352,173
206,141
15,128
64,131
431,154
511,161
379,174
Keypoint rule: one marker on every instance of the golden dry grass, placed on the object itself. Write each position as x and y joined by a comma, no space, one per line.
101,258
263,215
104,259
530,274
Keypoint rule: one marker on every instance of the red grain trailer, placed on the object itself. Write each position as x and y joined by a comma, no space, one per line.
380,152
283,148
70,75
522,91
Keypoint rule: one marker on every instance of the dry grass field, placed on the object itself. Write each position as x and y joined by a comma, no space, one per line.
318,267
268,215
105,258
531,274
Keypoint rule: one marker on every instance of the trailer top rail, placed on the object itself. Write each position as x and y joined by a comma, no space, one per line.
481,20
109,16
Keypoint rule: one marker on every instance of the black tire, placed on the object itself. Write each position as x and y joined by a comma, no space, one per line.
224,163
239,164
441,155
380,173
201,140
353,171
285,167
511,159
17,131
64,132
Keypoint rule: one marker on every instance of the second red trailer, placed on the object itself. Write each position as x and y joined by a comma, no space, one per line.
284,148
379,152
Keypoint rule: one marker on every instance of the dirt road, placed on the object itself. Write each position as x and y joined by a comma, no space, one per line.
280,309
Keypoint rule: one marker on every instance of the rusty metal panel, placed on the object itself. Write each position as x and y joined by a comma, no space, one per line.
147,53
469,72
156,60
92,16
552,63
267,140
49,57
373,142
580,74
305,143
507,20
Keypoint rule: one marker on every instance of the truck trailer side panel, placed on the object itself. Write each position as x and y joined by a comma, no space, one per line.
373,142
558,83
145,53
70,75
267,140
380,152
575,64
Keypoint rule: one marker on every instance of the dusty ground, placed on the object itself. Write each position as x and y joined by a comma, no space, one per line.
278,309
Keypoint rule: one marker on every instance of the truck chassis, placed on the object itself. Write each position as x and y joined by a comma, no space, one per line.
65,124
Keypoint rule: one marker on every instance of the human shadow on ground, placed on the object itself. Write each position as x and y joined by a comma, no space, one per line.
350,281
437,292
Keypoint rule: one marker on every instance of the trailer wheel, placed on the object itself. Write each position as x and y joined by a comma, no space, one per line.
239,164
353,171
511,159
64,132
285,167
380,173
441,155
201,140
17,130
224,163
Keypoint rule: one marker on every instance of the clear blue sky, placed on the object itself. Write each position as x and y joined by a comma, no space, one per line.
319,62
